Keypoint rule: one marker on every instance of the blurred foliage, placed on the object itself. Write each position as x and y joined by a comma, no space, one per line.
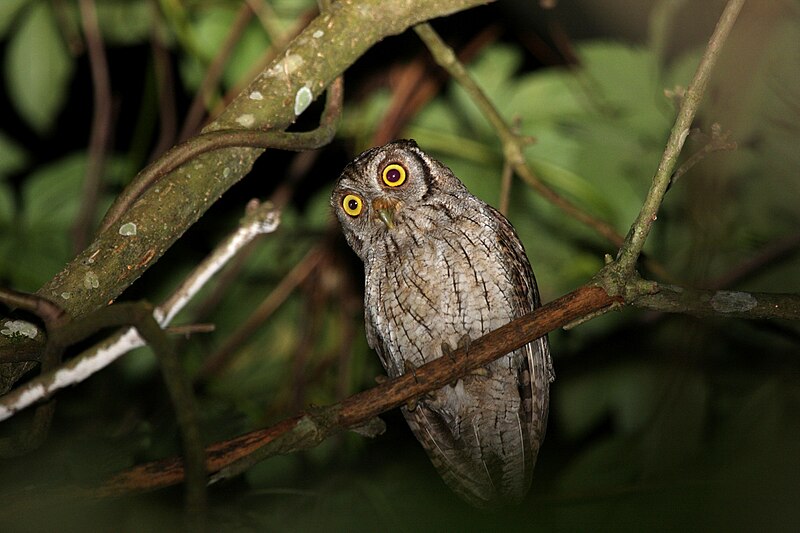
656,422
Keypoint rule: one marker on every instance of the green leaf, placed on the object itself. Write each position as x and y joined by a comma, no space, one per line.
37,246
249,50
51,195
625,76
493,71
574,186
35,255
38,67
38,243
125,21
548,95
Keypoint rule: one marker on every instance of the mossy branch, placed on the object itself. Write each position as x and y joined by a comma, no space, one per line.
326,48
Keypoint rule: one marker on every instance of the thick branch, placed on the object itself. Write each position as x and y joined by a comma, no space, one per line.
712,303
311,428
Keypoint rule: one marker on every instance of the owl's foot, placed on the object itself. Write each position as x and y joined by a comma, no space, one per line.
409,367
380,380
463,342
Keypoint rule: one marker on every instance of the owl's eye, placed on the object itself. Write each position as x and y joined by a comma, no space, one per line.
393,175
352,205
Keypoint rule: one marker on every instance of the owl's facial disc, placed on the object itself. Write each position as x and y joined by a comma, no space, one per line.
385,209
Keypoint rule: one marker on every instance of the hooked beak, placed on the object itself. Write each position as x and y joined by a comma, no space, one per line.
385,209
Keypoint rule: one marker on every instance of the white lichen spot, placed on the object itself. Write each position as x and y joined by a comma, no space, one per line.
256,95
733,301
317,34
66,295
128,229
226,172
90,280
274,71
19,328
246,120
302,100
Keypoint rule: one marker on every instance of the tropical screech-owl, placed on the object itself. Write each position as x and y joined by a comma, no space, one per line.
443,267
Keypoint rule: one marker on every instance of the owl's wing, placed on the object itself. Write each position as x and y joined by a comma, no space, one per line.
486,451
536,370
483,454
525,291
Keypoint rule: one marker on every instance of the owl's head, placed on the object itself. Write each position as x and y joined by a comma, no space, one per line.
393,193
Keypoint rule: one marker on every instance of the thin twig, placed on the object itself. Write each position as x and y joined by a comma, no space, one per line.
416,83
221,357
512,144
214,72
165,87
505,188
101,126
629,252
266,16
769,255
50,313
717,143
260,219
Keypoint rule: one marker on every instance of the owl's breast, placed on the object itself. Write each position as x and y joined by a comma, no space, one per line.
436,287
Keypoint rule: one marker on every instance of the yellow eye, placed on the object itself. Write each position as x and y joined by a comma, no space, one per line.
394,175
352,205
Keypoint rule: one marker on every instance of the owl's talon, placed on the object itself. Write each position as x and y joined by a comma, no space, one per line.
409,367
411,405
447,351
481,372
380,380
464,342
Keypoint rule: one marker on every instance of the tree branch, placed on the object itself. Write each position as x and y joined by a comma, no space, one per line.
258,219
311,428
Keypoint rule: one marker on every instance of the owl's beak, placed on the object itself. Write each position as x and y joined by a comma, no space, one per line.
385,209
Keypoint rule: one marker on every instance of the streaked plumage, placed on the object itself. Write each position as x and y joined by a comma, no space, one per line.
443,267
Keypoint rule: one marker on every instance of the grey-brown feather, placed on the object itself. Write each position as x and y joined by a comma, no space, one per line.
451,267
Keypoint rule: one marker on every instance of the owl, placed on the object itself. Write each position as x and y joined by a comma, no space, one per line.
442,268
